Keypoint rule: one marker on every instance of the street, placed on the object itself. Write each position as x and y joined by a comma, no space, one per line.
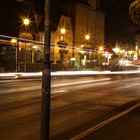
70,70
77,104
125,128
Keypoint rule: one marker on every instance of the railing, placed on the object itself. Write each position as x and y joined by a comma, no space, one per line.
23,55
20,55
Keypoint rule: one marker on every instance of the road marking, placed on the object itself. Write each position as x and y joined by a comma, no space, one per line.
7,91
58,93
19,80
100,125
22,89
80,82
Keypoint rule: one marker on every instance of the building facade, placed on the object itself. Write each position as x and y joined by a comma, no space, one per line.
88,21
78,19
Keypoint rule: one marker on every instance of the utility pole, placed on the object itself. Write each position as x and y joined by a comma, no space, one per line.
46,77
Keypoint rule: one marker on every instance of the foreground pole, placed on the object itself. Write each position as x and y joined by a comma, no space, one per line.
46,78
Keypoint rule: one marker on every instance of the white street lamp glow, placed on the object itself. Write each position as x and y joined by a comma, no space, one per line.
116,50
26,21
35,47
136,47
63,31
87,37
101,48
82,46
13,40
130,52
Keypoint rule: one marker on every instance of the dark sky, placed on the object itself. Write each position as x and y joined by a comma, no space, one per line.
119,26
118,22
10,15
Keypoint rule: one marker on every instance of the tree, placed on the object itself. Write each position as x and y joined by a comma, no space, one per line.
134,11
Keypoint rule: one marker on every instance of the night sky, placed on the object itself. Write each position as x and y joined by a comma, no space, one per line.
10,12
119,27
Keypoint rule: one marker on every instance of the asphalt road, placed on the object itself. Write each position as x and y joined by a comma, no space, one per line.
124,128
76,105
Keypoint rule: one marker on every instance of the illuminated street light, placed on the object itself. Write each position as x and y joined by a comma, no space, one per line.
82,46
63,31
25,33
35,47
101,48
130,52
13,40
26,21
87,36
116,50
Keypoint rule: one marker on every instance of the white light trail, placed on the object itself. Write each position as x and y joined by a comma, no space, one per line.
68,73
80,82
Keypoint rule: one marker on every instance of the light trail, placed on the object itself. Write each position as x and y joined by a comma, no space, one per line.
67,73
79,82
55,85
86,73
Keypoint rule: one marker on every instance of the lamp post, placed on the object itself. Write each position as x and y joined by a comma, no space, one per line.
62,44
80,53
87,38
15,42
63,31
26,23
100,53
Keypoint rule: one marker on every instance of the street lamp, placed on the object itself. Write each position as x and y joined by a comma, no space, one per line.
82,46
87,37
81,53
116,50
101,48
14,41
26,21
63,30
100,54
62,44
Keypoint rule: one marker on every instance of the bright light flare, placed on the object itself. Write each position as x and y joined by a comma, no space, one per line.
13,40
116,50
87,37
121,62
67,73
124,62
63,31
26,21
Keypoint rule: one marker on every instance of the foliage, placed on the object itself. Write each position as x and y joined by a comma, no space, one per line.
134,11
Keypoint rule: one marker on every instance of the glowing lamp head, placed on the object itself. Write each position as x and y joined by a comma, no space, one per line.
87,37
26,21
101,48
63,31
13,40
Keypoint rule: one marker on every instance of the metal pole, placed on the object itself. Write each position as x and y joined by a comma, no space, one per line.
46,78
17,54
25,58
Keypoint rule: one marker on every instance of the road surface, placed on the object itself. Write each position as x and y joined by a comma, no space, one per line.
76,105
